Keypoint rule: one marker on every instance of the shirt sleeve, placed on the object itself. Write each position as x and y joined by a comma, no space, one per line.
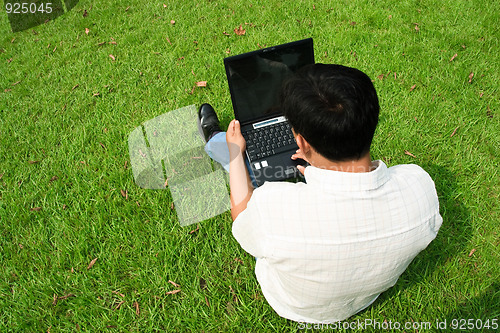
247,228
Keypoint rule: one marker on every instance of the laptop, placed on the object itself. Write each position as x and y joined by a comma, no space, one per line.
255,80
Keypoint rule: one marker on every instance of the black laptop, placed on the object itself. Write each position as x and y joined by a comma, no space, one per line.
255,79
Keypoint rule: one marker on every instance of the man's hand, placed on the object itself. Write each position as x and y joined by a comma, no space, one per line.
300,154
235,140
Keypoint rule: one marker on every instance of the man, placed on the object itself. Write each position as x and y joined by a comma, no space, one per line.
328,247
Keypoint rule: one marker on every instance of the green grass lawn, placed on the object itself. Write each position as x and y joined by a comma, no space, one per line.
69,99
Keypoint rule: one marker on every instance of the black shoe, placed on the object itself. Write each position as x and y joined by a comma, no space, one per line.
208,123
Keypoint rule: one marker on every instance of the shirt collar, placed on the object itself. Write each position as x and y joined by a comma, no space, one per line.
330,181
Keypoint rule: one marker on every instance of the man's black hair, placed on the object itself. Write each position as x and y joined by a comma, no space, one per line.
335,108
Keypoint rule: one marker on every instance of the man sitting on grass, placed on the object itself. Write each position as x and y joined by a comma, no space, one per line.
328,247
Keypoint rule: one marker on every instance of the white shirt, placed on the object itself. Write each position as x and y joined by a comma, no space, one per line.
326,249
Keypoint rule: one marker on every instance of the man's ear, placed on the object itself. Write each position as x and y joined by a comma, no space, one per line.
302,143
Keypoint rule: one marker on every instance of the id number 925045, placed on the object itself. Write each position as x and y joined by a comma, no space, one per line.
28,8
474,324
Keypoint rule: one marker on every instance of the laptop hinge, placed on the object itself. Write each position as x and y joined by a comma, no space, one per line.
268,122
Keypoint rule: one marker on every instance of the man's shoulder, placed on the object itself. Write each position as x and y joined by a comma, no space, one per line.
412,181
407,168
410,172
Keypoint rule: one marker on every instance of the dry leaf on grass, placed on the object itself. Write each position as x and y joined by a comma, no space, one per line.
55,299
66,296
119,304
54,178
472,252
91,263
454,56
137,311
35,209
413,87
124,194
200,84
194,230
235,298
471,75
173,292
239,31
173,283
409,154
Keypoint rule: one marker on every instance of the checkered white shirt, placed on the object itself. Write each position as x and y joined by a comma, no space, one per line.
326,249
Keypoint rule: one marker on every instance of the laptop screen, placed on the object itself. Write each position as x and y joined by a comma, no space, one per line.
255,78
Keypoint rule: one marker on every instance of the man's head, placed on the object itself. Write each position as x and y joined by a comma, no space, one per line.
335,108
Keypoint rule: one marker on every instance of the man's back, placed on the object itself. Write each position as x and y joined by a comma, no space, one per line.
326,249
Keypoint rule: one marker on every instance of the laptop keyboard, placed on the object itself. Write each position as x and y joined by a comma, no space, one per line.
270,140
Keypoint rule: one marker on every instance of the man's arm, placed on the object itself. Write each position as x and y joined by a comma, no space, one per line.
239,180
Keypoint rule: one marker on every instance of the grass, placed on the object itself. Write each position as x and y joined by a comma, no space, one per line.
67,108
